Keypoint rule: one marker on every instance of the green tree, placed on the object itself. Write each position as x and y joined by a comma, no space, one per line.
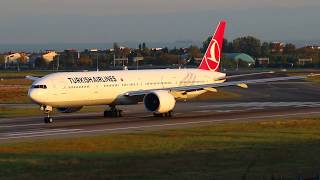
168,59
194,52
69,63
145,50
2,60
265,49
125,52
140,47
226,46
289,49
249,45
205,44
144,46
165,50
164,59
40,63
174,51
228,63
85,61
105,60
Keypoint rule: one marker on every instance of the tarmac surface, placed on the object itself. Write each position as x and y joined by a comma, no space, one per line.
294,99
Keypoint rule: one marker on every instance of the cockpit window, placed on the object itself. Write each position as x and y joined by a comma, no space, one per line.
39,86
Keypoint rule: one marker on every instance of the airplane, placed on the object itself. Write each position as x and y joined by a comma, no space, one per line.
157,89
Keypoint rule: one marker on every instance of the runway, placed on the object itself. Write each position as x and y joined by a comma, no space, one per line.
295,99
137,120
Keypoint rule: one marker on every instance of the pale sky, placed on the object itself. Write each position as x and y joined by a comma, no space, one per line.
91,21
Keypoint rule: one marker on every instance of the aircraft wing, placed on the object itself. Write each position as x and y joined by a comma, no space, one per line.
32,78
217,85
250,74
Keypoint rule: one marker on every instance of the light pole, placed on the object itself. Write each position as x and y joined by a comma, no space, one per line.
137,63
114,60
97,62
58,63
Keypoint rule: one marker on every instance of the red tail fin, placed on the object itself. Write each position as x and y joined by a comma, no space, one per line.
211,58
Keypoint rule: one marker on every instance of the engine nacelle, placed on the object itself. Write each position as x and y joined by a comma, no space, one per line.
69,109
159,101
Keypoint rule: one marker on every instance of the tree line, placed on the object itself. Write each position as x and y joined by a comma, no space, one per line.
279,55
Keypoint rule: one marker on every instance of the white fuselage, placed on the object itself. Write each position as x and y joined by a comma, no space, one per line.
68,89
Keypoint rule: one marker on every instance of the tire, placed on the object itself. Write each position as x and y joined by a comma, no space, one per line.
45,120
119,113
50,120
107,114
114,113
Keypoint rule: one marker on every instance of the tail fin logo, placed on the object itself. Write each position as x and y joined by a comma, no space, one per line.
211,59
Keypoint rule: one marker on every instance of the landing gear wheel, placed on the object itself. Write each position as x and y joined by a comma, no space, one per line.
119,113
167,114
107,113
48,120
113,112
47,110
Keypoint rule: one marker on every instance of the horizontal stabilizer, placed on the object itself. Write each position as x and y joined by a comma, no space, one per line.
32,78
242,85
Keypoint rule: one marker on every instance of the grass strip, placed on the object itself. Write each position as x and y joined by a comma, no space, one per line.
255,150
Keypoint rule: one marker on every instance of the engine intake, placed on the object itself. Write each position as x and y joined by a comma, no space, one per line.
159,101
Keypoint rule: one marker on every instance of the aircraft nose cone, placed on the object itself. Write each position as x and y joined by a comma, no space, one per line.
34,95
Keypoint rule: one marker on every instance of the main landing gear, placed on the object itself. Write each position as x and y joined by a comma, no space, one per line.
113,112
167,114
47,110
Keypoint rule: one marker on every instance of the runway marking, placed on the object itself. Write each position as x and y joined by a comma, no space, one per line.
28,130
255,108
159,125
39,132
231,110
203,111
21,125
263,104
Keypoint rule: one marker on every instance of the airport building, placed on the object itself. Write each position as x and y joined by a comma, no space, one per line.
304,61
241,57
12,57
263,60
49,55
313,47
277,47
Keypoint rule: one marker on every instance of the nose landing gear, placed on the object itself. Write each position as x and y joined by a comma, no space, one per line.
47,110
48,120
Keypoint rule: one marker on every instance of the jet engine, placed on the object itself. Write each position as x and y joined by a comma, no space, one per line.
159,102
69,109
